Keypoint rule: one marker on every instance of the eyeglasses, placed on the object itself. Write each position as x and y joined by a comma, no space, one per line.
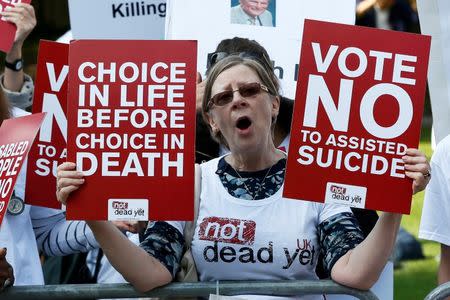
247,90
215,57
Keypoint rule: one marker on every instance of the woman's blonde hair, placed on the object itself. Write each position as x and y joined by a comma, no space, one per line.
225,64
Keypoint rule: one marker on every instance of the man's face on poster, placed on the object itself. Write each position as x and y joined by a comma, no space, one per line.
254,8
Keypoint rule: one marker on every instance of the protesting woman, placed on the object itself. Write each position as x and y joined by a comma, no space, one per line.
245,229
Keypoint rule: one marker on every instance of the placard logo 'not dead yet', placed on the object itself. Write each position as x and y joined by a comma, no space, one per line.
345,194
127,209
339,192
338,189
228,230
119,205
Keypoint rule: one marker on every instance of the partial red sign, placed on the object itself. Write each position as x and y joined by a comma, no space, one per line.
358,107
131,129
7,29
16,138
49,150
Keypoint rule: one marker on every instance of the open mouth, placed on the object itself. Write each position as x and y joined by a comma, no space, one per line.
243,123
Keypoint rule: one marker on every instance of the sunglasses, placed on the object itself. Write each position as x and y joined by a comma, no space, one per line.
247,90
215,57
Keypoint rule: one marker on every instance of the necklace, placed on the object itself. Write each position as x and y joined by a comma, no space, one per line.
260,183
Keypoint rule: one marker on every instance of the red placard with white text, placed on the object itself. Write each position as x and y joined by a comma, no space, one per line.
358,107
7,29
16,138
131,129
49,149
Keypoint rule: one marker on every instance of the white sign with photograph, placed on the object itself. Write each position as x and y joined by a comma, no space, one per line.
117,19
435,21
211,21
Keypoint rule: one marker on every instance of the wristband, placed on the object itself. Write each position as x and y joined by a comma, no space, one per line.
16,66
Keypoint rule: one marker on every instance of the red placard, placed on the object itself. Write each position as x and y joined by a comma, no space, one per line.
7,29
16,138
49,150
358,107
131,129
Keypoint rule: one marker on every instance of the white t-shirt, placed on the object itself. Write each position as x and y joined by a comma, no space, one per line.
435,222
268,239
16,234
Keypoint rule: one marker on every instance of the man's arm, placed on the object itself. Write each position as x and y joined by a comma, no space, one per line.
56,237
444,266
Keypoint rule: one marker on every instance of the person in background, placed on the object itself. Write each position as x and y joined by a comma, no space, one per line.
387,14
435,222
398,15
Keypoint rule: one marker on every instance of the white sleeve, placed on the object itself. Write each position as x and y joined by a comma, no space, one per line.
56,237
23,98
179,225
435,221
327,210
